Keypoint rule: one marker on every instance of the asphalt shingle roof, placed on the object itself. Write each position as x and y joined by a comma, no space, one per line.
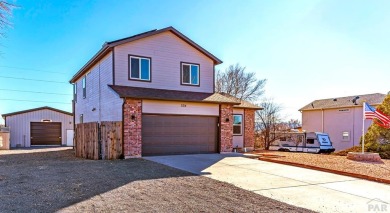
175,95
372,99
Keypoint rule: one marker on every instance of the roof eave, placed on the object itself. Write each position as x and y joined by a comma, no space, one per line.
242,107
100,54
335,107
35,109
174,31
169,99
109,45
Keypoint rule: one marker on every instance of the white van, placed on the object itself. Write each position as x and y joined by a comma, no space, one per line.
315,142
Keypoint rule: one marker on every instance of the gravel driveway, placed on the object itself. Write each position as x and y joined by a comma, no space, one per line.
48,180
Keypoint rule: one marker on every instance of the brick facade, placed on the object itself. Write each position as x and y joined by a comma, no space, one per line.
249,129
226,127
132,128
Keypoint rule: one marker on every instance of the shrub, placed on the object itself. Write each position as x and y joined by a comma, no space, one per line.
352,149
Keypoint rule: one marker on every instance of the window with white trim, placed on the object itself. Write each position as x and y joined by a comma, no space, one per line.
237,124
84,82
190,74
139,68
75,92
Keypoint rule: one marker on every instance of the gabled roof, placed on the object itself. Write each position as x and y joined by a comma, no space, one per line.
330,103
36,109
171,95
109,45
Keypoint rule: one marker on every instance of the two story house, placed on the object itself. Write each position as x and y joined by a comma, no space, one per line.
160,84
341,118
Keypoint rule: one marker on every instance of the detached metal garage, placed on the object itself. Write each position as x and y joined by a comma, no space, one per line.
44,126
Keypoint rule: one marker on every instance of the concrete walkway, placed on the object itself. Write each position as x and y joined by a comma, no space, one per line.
315,190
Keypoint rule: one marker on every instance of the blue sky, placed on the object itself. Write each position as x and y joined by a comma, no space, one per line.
306,49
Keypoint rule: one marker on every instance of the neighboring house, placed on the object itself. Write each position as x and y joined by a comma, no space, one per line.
40,126
160,84
341,118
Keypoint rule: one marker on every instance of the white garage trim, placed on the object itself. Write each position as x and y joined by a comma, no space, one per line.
179,108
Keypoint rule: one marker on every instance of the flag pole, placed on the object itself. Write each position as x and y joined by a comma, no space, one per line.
364,106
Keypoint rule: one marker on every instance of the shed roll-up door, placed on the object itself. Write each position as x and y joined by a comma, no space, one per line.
171,134
45,133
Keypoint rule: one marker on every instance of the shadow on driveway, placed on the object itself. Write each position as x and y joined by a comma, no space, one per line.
46,181
49,180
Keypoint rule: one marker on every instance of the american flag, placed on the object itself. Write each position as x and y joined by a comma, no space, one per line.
369,111
382,117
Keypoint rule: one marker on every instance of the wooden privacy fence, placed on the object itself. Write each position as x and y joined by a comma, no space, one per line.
111,140
94,141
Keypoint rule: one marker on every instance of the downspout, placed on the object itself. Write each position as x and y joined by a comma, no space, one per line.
353,127
74,120
100,94
123,128
322,120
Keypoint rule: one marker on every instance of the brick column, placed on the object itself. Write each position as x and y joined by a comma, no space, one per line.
226,127
249,129
132,127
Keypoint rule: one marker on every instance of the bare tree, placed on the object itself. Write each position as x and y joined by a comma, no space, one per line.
5,13
267,121
238,83
294,123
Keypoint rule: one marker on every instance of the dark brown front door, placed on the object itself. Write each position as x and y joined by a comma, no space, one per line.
45,133
171,134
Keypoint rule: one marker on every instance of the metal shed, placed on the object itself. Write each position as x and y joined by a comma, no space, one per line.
43,126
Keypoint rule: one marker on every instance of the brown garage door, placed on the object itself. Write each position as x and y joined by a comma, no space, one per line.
45,133
163,134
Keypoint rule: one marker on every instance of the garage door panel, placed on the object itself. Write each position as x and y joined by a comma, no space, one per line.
45,133
185,149
158,141
163,134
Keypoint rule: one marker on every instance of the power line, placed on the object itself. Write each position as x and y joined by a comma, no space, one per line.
30,79
21,68
51,93
49,102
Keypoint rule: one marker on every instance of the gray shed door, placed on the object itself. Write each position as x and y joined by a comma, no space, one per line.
45,133
171,134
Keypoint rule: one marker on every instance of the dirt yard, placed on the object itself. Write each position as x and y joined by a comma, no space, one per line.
48,180
332,162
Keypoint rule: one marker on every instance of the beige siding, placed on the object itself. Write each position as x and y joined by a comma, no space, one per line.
166,51
101,102
20,125
312,121
238,140
335,122
179,108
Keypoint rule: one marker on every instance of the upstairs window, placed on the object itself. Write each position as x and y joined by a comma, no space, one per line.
237,124
75,92
190,74
84,82
139,68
